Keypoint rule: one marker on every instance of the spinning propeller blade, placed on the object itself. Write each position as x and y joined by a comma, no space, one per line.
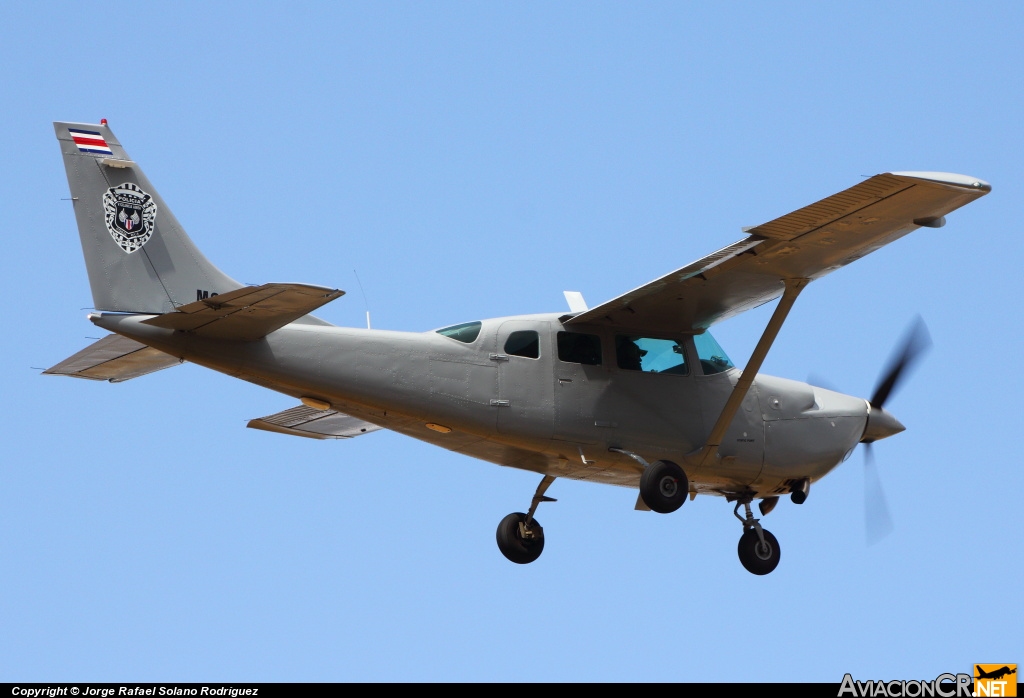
877,520
916,341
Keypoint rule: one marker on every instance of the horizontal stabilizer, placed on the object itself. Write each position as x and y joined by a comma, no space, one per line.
313,424
247,314
114,358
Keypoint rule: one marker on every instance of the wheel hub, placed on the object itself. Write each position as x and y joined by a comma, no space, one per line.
668,486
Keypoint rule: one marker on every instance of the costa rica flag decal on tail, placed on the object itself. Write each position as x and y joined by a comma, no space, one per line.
90,142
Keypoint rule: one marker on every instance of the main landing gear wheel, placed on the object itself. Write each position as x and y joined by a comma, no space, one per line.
518,542
758,557
663,486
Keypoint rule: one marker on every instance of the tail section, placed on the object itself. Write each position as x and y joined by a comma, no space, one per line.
138,256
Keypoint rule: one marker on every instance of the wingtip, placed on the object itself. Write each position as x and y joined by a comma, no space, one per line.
949,178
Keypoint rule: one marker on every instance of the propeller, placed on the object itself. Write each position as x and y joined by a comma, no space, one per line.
877,519
916,341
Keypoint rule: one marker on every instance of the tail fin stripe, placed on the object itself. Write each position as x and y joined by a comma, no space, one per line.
90,142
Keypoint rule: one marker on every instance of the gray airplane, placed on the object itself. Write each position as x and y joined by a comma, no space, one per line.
634,392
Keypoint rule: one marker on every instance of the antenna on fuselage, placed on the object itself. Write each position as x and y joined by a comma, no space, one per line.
575,301
366,304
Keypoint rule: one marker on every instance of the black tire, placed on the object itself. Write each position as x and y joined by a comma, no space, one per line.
512,545
754,557
664,487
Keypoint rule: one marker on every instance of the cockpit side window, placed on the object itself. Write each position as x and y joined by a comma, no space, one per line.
466,332
579,348
713,358
523,343
651,355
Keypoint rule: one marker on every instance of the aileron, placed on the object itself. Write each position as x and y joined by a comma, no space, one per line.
832,208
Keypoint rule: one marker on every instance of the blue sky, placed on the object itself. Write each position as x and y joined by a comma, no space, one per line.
474,160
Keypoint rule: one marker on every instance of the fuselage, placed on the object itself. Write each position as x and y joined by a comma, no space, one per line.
528,393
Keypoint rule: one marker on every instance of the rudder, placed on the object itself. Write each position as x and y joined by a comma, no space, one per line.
138,257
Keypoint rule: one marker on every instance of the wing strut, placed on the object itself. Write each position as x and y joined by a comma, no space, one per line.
710,449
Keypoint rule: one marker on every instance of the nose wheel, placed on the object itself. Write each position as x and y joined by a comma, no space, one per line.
756,556
758,549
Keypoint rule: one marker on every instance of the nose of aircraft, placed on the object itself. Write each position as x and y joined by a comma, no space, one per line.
880,425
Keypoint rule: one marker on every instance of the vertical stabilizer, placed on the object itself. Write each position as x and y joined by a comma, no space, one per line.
138,256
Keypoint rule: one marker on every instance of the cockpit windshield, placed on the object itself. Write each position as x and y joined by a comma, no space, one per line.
466,332
713,358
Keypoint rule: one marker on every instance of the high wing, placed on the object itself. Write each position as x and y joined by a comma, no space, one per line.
806,244
313,423
113,358
247,314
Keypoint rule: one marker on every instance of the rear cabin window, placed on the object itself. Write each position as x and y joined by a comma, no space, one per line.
466,332
650,355
523,343
579,348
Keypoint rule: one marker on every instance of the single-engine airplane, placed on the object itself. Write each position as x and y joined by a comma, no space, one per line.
634,392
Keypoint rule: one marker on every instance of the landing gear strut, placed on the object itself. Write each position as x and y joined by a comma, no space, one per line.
758,549
520,537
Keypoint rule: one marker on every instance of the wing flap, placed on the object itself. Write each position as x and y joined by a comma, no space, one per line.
808,243
247,314
113,358
313,424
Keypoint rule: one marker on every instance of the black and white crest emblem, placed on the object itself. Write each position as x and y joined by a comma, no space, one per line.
130,214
